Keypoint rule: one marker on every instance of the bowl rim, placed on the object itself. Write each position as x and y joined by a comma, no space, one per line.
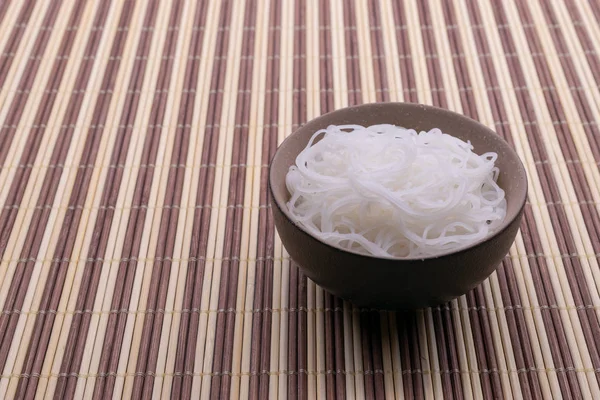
506,223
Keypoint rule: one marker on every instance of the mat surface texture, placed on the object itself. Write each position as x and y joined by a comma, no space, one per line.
138,253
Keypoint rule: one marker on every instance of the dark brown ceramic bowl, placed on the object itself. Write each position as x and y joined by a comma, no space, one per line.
388,283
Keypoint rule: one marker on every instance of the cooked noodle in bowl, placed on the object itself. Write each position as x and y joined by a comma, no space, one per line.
388,191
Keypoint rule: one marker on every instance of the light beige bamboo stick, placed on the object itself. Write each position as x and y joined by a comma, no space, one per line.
390,46
417,53
392,360
365,51
426,354
315,300
386,353
396,357
311,362
275,344
248,303
242,389
338,54
285,109
433,356
357,352
415,37
313,59
243,342
350,370
314,319
286,69
541,215
283,336
319,340
241,347
246,346
354,381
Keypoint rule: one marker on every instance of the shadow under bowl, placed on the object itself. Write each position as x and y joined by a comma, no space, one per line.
391,283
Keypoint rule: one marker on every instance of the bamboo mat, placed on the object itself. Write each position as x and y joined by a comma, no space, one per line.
139,256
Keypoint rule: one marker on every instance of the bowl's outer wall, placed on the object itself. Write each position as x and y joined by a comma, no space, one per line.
388,283
393,284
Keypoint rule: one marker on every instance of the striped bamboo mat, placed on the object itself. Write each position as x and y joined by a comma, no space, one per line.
138,251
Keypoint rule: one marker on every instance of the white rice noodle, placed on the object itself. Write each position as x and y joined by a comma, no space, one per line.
388,191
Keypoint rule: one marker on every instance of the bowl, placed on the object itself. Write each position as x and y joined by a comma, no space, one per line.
391,283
